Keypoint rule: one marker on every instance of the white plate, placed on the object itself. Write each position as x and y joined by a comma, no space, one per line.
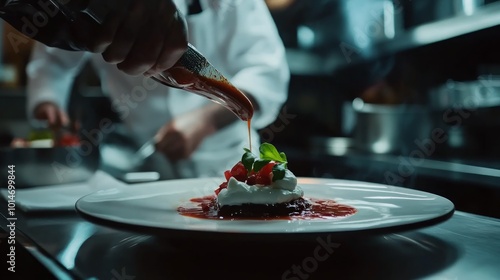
152,207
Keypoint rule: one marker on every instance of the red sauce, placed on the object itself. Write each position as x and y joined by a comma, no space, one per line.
217,89
249,125
205,208
211,85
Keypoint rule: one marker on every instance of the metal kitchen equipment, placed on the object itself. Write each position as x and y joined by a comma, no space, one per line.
368,22
49,166
470,113
383,129
121,157
481,93
425,11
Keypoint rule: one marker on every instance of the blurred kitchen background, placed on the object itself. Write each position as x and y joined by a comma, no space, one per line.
400,92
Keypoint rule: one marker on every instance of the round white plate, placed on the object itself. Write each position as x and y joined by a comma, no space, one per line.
152,207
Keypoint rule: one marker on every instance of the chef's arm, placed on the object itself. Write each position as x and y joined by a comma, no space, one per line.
53,115
256,59
51,73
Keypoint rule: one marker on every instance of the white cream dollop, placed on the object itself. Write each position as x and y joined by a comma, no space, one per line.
280,191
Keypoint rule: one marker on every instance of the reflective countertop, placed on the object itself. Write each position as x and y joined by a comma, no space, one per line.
464,247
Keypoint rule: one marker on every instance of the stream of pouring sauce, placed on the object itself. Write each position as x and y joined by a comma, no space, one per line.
220,91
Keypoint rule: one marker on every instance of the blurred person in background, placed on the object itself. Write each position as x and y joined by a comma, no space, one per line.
196,137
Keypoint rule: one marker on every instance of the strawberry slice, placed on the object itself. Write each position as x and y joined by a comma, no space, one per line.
252,179
263,180
267,169
263,177
227,174
265,174
239,172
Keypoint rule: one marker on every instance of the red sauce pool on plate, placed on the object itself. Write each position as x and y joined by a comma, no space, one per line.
205,208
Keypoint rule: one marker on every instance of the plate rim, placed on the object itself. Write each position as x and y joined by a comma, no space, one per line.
232,235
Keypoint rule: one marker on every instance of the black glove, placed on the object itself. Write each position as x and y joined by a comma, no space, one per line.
56,26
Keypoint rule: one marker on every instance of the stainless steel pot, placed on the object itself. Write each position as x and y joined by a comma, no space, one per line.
383,129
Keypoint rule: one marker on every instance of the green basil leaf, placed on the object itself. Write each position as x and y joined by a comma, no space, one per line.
279,171
247,159
258,164
269,152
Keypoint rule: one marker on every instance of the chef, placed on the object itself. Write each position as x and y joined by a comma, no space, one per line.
196,137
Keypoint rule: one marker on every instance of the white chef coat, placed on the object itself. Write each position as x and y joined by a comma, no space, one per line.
238,37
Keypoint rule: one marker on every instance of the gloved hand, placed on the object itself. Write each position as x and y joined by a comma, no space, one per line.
140,37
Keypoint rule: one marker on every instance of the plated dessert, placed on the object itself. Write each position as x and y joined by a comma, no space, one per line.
262,187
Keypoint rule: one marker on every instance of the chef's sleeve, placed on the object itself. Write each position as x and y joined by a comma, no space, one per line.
256,57
51,73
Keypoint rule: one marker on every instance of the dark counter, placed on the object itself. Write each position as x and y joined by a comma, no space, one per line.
464,247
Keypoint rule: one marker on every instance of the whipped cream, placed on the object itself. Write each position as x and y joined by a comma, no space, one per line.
280,191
